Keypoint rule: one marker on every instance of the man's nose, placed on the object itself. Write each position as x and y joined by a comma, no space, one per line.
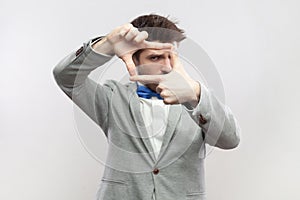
166,65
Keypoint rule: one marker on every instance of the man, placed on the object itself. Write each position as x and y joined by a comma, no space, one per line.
163,160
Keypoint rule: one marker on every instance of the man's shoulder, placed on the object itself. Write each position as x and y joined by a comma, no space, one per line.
118,86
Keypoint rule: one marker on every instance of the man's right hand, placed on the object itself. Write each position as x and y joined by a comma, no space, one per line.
124,41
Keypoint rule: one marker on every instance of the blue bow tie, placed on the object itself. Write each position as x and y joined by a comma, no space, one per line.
146,93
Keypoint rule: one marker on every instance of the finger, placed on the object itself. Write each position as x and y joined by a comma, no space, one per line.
129,64
157,45
175,47
175,62
170,100
164,93
162,89
159,89
140,37
124,29
146,79
118,33
131,33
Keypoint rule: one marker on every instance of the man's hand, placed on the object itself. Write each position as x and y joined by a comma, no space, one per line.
176,86
124,41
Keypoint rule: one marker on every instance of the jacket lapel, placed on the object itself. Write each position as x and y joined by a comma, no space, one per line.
175,112
173,118
138,119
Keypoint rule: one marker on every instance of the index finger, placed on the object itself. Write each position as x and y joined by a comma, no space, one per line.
145,79
129,64
157,45
175,62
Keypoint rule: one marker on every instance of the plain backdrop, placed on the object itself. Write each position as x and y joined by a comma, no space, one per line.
254,44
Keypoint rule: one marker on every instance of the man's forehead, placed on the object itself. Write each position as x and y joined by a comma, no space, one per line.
156,51
160,51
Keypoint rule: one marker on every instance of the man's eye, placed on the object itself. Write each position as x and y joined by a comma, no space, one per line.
154,58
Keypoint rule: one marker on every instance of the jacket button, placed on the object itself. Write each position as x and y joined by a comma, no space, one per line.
202,120
155,171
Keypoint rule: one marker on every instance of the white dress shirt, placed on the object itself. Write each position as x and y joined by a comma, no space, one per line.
155,115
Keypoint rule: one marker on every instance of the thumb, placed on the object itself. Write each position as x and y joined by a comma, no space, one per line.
176,63
127,59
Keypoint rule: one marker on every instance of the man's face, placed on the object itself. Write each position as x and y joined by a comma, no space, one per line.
154,62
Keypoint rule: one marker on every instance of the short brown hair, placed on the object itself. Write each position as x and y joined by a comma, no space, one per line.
159,28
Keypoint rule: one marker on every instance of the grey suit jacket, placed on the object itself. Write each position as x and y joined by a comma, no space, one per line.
131,171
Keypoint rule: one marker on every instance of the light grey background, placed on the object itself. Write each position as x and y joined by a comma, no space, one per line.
254,44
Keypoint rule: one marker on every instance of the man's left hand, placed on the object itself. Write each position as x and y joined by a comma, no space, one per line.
175,87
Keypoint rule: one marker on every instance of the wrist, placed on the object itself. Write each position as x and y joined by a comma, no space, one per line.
196,93
196,90
104,47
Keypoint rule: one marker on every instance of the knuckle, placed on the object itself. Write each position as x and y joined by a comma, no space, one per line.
144,33
127,25
159,90
160,79
135,30
167,101
136,40
160,87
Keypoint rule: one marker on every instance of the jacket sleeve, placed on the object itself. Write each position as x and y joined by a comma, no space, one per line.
71,75
219,126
